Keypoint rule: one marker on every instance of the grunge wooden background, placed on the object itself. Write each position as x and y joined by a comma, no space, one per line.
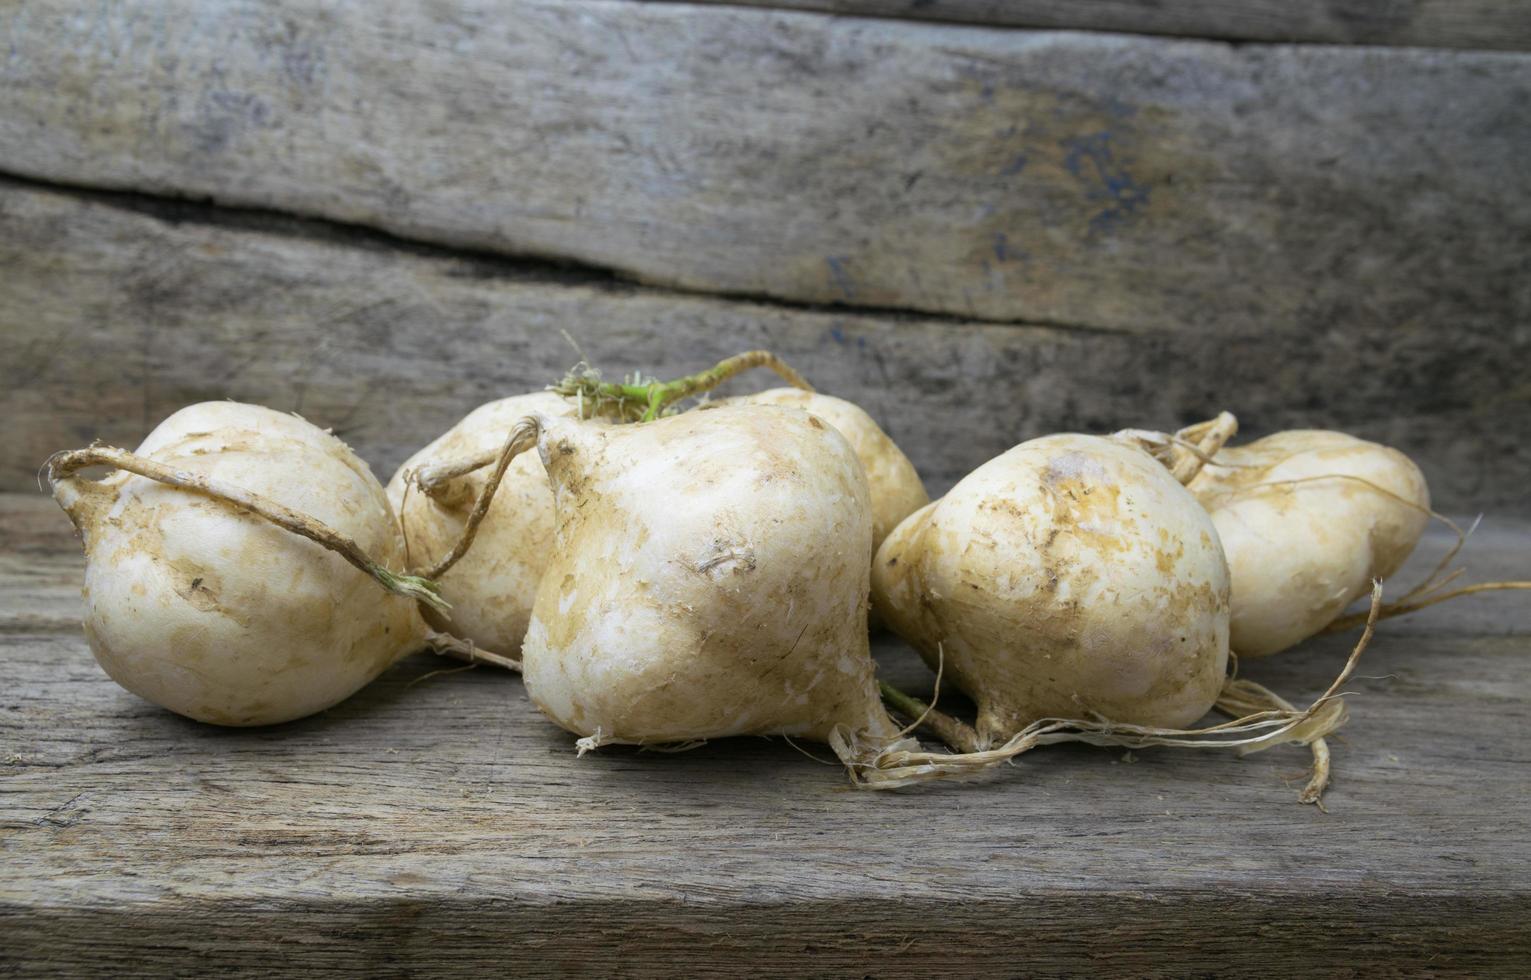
983,221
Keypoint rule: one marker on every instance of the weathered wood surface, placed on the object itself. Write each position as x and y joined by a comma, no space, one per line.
1494,24
1103,181
441,825
112,318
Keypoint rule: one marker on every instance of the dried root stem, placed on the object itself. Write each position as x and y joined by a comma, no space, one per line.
447,645
63,466
1241,697
523,436
924,717
1186,452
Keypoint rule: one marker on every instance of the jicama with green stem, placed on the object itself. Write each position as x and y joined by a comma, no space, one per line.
491,589
709,579
240,566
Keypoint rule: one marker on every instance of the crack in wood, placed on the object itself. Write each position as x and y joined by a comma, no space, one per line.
486,263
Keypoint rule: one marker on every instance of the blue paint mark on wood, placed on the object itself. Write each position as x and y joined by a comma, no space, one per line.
1091,159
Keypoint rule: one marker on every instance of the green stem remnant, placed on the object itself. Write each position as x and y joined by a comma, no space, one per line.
63,466
641,400
631,401
954,732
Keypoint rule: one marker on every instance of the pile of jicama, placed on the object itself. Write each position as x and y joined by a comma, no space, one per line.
663,577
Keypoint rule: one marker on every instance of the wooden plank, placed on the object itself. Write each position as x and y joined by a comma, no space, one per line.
1487,24
1096,180
440,824
111,319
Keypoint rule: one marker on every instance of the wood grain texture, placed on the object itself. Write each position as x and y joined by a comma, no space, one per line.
112,318
1491,24
440,825
1102,181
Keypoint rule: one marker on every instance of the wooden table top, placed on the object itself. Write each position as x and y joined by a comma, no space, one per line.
437,823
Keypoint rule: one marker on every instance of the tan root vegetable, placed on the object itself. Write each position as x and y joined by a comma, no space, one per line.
233,566
895,486
1071,577
1308,519
491,588
709,579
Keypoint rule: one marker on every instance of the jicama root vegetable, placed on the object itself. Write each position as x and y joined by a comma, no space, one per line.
709,579
1308,519
491,589
895,486
201,592
1070,577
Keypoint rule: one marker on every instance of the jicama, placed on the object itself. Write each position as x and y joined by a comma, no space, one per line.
491,589
233,566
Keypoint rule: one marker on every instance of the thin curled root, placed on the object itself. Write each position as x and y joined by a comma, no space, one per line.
523,436
1404,608
1242,697
62,467
953,731
447,645
878,764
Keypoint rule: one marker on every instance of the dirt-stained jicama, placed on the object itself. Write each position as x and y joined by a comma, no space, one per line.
491,589
895,487
1072,576
1308,519
709,578
233,565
